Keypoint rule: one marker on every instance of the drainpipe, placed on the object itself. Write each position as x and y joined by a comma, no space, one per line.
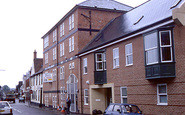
81,85
57,66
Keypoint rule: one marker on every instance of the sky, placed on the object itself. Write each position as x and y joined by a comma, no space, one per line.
22,24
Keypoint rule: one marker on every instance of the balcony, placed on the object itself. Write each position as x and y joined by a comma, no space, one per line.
100,77
162,70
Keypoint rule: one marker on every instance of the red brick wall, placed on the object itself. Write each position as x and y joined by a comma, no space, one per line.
140,91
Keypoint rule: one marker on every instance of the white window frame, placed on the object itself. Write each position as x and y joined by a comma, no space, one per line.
85,96
70,45
54,54
71,22
149,49
62,72
62,29
46,58
46,41
99,62
160,94
126,97
62,49
55,35
70,66
165,46
128,47
115,50
84,65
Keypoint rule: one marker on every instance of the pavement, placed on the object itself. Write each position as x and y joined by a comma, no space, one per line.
54,111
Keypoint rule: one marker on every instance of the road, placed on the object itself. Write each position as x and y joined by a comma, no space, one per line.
22,109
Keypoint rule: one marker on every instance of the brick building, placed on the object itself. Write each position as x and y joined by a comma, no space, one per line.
138,58
65,40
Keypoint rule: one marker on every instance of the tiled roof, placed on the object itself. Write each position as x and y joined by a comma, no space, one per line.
38,62
141,17
105,4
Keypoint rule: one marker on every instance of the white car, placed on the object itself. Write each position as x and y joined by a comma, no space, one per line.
5,108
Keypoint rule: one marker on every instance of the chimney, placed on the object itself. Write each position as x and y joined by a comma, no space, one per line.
35,54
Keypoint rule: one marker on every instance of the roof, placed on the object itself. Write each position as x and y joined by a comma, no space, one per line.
144,16
106,4
38,64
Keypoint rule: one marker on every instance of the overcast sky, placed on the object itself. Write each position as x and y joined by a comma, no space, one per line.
22,24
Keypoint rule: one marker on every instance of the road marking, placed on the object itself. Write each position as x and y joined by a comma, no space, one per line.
17,110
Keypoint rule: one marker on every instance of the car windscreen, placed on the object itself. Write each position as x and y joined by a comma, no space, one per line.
131,108
110,107
3,104
10,96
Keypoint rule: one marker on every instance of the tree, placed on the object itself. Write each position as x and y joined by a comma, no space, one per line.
6,89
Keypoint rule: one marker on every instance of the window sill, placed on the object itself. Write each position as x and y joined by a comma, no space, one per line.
84,73
86,104
128,65
163,104
116,67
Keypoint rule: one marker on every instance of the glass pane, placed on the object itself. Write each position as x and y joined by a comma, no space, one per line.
100,65
124,100
162,89
99,57
152,56
72,88
110,108
86,92
105,67
150,40
165,38
116,107
163,99
86,99
117,62
129,59
166,54
124,91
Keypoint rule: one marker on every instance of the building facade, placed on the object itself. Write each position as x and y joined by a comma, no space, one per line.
137,58
36,81
61,44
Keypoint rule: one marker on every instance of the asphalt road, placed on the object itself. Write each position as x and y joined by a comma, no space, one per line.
22,109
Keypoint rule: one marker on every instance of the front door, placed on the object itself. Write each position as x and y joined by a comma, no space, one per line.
72,91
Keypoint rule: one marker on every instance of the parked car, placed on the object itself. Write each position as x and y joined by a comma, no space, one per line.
5,108
10,97
21,99
122,109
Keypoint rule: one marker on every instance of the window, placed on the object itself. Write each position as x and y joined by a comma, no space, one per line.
61,29
164,41
165,46
71,22
54,35
46,58
47,100
62,73
54,54
115,57
162,94
72,65
123,94
85,96
129,54
85,65
46,41
99,62
62,49
54,74
71,44
151,49
54,99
